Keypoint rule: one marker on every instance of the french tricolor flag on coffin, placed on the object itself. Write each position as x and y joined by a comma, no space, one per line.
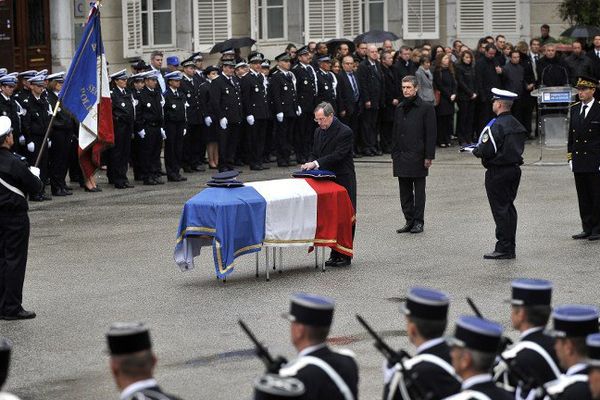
284,212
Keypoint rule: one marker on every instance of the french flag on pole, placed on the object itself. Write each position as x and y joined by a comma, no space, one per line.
86,95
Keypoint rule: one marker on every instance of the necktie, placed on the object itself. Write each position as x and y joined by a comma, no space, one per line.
583,108
354,88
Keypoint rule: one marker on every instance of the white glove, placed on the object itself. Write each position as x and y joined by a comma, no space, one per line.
223,123
299,111
35,171
49,143
163,133
207,121
31,147
142,133
571,165
184,131
279,117
250,120
22,140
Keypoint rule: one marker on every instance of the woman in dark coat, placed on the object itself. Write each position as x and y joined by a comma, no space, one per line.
466,97
443,80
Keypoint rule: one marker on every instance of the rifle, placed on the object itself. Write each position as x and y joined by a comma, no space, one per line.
416,392
273,365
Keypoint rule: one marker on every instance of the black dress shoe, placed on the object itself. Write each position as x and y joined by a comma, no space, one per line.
120,186
128,185
199,168
46,196
255,168
496,255
59,192
150,182
263,167
356,155
331,261
158,180
417,228
594,236
67,187
182,178
379,153
189,170
405,228
581,235
341,262
92,190
36,197
23,314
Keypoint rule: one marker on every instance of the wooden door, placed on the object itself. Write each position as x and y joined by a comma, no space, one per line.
31,35
6,35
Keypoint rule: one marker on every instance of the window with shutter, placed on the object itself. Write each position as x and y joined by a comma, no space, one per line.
421,19
132,28
477,18
351,18
212,22
321,18
504,16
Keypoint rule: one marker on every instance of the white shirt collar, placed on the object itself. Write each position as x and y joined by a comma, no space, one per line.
429,344
589,103
371,62
137,386
530,331
575,369
310,349
475,380
174,90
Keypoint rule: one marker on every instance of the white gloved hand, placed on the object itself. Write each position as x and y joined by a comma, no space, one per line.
142,133
49,143
35,171
163,133
31,147
299,111
207,121
223,123
571,165
250,120
22,140
279,117
184,131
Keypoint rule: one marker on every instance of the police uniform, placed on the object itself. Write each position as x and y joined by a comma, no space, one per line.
592,343
210,123
151,121
123,123
128,338
282,89
10,108
431,366
306,90
137,124
483,336
327,84
24,93
275,387
326,373
194,142
16,182
500,148
5,349
175,123
573,321
584,157
533,357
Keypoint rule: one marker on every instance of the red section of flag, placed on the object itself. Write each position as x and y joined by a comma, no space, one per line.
335,216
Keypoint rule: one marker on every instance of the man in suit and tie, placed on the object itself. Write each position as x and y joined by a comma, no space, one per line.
332,151
349,106
583,154
370,79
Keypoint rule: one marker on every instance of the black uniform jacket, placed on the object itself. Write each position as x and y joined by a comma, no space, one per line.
152,393
122,106
36,119
14,171
370,81
584,139
414,136
492,391
174,108
332,149
190,89
574,391
225,100
431,377
10,109
151,109
254,96
204,95
283,93
63,120
346,95
305,87
503,143
319,385
327,91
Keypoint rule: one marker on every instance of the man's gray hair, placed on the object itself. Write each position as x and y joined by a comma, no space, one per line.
412,79
326,107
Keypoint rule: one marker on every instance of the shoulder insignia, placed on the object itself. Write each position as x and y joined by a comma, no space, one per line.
485,138
574,104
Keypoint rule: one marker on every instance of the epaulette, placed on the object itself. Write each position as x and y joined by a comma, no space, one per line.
574,104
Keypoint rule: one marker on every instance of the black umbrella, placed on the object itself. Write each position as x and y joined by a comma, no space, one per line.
375,36
581,31
333,44
232,43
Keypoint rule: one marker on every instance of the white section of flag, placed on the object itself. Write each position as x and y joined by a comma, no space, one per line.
88,129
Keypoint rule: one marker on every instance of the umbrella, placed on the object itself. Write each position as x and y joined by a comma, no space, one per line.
333,44
375,36
232,43
581,31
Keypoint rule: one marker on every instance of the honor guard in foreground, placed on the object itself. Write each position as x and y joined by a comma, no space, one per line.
132,362
572,324
500,148
593,361
5,349
327,374
426,313
583,153
474,347
275,387
533,356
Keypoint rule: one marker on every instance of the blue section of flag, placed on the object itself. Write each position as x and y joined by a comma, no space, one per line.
80,90
232,218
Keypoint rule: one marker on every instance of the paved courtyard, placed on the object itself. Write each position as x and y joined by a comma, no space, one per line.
99,258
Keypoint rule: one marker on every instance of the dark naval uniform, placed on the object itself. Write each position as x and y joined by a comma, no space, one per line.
12,110
175,123
256,107
571,386
63,130
123,123
35,122
150,393
501,148
151,120
306,89
194,142
584,154
282,87
327,86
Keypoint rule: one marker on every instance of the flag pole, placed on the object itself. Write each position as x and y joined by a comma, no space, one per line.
44,142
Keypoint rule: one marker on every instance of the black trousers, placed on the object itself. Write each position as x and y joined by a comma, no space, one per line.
368,130
485,114
58,157
283,132
465,121
14,243
445,128
412,199
149,152
134,156
588,195
174,147
385,141
255,137
193,145
501,185
75,174
352,121
118,155
529,105
228,141
304,133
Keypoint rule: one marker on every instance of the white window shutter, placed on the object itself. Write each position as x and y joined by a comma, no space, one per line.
351,18
471,17
321,19
212,22
132,28
421,19
504,16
